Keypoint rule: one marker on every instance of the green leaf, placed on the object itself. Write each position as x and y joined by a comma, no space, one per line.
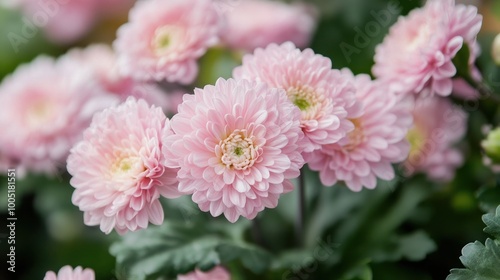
492,222
252,257
166,250
414,247
489,198
176,248
482,262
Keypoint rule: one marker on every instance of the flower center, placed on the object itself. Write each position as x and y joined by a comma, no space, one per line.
164,39
40,112
238,151
126,168
417,141
355,137
307,100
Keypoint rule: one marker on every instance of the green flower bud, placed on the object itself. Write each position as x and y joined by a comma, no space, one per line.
491,145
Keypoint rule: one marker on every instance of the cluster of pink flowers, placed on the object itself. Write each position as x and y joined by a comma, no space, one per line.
234,146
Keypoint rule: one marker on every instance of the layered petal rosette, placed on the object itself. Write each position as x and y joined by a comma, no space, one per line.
236,143
101,61
323,95
377,141
416,56
164,39
44,108
68,273
117,168
252,24
439,125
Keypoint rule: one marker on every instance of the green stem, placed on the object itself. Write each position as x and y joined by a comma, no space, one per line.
299,225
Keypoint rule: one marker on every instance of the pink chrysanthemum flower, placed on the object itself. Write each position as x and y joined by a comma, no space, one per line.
237,143
163,39
117,172
249,24
67,273
416,56
44,108
100,60
378,140
438,125
217,273
62,21
323,95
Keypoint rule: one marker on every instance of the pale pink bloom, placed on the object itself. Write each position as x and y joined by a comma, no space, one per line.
237,143
416,56
251,24
100,60
323,95
164,39
66,21
117,172
438,125
62,21
377,141
217,273
44,108
67,273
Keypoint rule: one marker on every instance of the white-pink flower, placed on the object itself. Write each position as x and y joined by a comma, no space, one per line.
44,108
236,143
62,21
322,94
252,24
100,60
117,168
438,125
164,39
217,273
416,56
378,140
68,273
66,21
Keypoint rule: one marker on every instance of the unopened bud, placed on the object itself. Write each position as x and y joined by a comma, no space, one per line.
495,50
491,145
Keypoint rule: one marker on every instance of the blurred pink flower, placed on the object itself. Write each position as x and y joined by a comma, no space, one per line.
237,143
378,140
68,21
164,39
101,61
251,24
438,125
67,273
62,21
323,95
44,108
416,56
117,172
217,273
